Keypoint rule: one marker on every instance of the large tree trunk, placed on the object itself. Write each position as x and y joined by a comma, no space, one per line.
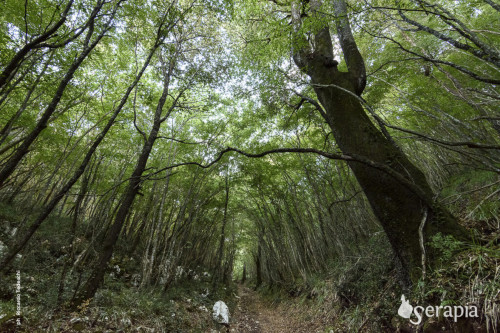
401,212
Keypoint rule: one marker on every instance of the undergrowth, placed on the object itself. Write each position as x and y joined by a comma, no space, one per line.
121,305
362,293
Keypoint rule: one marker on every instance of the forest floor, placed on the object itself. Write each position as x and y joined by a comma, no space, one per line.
255,315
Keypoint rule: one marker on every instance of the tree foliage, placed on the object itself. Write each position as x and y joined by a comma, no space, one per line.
174,138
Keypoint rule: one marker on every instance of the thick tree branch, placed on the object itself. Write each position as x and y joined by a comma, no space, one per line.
300,45
181,141
334,156
312,102
352,56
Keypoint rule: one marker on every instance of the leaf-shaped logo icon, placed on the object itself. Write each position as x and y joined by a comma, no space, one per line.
405,309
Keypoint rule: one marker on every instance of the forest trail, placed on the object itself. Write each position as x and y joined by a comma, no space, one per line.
253,315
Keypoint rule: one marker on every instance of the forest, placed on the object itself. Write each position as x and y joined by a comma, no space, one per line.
316,165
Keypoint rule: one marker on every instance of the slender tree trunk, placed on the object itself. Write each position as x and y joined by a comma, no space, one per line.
218,272
18,187
258,263
76,214
147,265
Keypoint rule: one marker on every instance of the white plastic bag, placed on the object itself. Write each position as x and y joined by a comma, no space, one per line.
221,312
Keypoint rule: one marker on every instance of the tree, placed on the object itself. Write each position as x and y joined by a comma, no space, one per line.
400,211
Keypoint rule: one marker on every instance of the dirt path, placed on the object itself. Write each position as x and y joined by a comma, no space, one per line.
253,316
